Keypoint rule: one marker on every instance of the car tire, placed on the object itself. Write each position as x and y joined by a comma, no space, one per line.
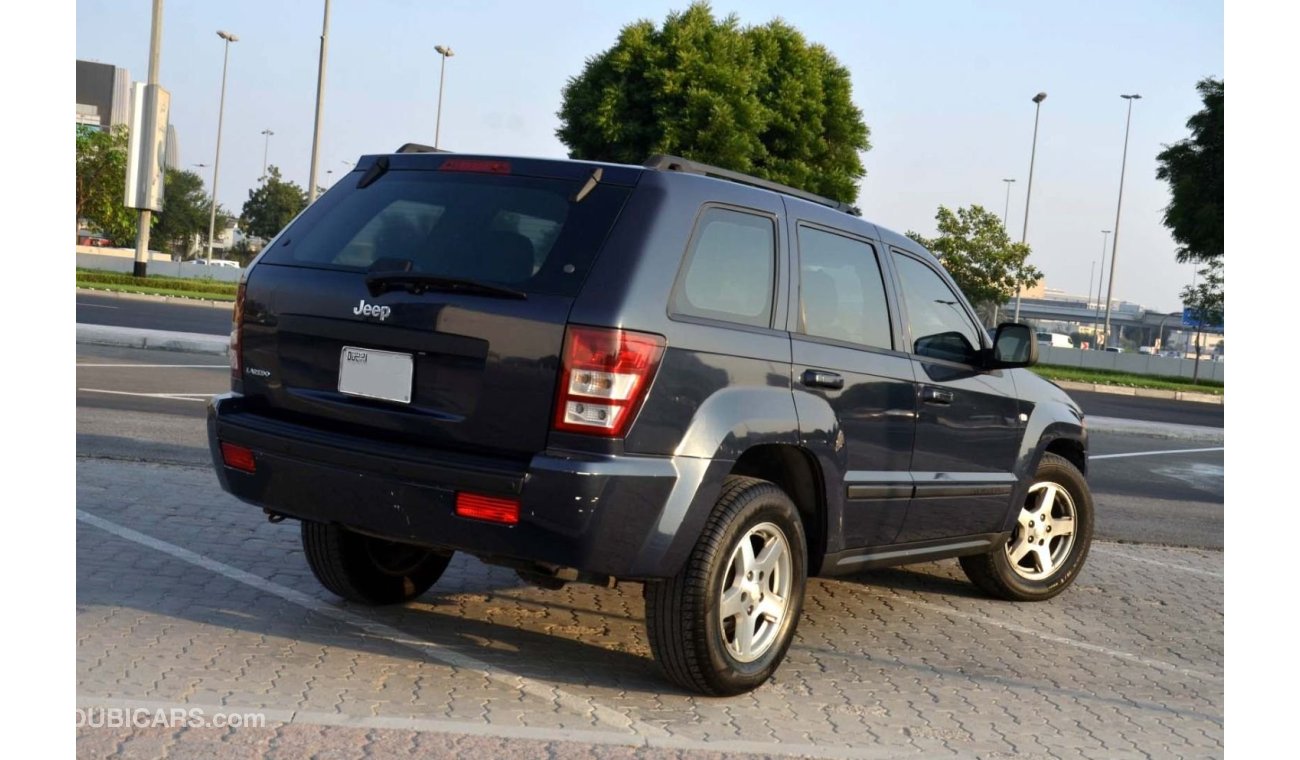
369,570
1039,559
698,645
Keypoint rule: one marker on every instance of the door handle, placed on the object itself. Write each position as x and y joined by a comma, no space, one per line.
936,396
820,378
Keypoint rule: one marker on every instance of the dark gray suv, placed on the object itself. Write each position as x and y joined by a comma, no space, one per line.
670,373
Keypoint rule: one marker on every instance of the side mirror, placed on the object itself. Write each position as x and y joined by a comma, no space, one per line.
1014,345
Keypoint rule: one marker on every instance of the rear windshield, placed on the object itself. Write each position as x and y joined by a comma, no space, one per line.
524,232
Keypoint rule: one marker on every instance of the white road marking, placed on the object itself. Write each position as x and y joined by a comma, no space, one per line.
173,396
445,655
157,366
1087,647
1170,565
96,306
1154,453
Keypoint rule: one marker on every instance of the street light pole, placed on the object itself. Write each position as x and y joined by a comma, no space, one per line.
1119,204
266,149
445,52
1007,207
320,99
141,266
221,115
1096,320
1033,152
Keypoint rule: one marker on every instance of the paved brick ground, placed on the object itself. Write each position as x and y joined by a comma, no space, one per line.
188,598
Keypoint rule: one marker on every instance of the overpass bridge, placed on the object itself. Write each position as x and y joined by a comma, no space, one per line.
1127,320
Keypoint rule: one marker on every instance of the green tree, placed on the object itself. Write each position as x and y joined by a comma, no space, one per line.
271,205
1194,170
1205,299
101,183
975,249
759,99
186,207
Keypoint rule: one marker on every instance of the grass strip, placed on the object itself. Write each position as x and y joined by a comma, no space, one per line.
1130,380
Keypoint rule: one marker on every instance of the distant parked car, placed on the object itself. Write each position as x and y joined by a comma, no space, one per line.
1115,349
230,263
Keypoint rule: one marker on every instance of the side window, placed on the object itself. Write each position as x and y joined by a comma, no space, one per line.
729,269
938,324
841,292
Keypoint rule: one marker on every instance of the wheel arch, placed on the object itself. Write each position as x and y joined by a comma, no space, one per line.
795,470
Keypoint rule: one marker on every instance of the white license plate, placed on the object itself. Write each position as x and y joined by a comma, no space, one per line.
375,374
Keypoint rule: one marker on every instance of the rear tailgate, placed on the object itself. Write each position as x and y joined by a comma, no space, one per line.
444,367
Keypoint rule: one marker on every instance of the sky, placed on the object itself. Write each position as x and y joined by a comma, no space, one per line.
945,88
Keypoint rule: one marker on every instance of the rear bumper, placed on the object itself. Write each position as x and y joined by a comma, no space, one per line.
619,516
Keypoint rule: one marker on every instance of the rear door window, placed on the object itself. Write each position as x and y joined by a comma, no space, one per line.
841,291
729,269
524,232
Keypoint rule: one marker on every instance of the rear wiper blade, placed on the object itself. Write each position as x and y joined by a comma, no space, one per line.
419,282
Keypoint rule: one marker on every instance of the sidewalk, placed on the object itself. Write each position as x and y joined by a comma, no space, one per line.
219,345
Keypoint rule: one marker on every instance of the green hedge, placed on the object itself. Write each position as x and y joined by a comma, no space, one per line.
155,282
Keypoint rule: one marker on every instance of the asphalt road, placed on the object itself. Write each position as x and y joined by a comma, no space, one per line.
214,319
210,317
149,406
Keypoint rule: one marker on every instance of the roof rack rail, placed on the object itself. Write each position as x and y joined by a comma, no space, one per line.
667,163
418,148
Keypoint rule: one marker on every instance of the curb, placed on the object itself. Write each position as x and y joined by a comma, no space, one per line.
1170,430
1120,390
160,340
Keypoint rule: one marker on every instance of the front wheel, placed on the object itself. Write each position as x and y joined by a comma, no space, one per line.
723,624
1049,543
366,569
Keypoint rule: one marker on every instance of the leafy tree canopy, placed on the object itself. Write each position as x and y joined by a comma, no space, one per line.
101,183
184,217
272,205
1194,170
759,99
975,249
1205,298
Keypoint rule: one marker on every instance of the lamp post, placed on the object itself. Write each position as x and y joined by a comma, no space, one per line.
1096,320
446,53
1007,207
320,99
216,163
1033,152
1119,204
266,149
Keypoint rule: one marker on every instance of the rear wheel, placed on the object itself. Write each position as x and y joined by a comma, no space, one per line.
369,570
1049,543
723,624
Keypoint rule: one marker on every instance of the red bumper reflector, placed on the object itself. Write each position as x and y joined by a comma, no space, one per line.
490,508
238,457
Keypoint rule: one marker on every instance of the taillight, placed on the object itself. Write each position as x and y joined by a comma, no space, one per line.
237,334
604,378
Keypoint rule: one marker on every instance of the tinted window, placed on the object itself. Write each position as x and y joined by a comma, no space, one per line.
518,231
935,318
841,293
729,269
